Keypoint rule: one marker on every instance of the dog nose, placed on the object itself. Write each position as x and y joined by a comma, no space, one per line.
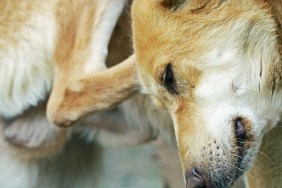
195,179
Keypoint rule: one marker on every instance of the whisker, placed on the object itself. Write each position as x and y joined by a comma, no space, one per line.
245,142
225,174
267,157
212,179
267,141
230,164
216,175
244,171
245,160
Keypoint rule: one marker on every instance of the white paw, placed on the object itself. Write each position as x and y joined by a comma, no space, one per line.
30,130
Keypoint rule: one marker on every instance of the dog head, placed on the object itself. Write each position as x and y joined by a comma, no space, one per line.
215,65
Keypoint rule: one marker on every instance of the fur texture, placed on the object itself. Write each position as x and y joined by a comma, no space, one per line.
216,67
35,153
49,42
26,66
228,44
81,52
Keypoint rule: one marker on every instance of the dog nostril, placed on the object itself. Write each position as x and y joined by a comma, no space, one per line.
194,179
240,129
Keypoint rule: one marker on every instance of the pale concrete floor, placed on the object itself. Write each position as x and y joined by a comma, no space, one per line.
146,166
135,167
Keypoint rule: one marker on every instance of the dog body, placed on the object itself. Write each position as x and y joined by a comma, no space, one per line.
56,35
48,50
42,44
216,67
61,47
22,20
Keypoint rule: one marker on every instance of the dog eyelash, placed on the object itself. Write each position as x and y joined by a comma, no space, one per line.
169,80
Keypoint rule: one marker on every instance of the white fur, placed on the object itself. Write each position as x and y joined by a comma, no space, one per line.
236,87
26,68
235,78
233,92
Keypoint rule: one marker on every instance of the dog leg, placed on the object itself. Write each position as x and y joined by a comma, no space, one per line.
80,86
101,91
106,18
112,129
31,135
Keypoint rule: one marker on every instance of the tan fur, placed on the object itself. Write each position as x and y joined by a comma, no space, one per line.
76,93
91,92
72,34
39,153
42,155
22,12
31,58
186,34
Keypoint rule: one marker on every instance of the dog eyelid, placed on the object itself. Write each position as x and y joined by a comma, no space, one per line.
168,79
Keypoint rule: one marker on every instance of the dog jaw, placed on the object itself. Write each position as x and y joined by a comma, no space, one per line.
226,64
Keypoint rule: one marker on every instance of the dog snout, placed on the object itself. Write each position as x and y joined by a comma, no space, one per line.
195,178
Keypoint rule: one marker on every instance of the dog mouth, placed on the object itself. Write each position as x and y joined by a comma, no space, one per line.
230,173
221,160
219,174
220,167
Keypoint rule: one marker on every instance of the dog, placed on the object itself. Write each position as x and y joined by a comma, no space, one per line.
67,59
71,100
216,66
53,53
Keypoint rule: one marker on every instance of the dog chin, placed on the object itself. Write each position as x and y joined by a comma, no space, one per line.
232,173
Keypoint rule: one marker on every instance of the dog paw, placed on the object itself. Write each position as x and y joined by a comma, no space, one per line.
33,131
29,134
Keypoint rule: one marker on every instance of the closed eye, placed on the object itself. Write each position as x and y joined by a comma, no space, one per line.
169,80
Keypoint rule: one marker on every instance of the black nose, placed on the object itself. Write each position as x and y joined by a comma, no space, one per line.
240,130
195,179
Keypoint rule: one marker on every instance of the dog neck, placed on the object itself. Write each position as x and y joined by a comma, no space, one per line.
276,10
